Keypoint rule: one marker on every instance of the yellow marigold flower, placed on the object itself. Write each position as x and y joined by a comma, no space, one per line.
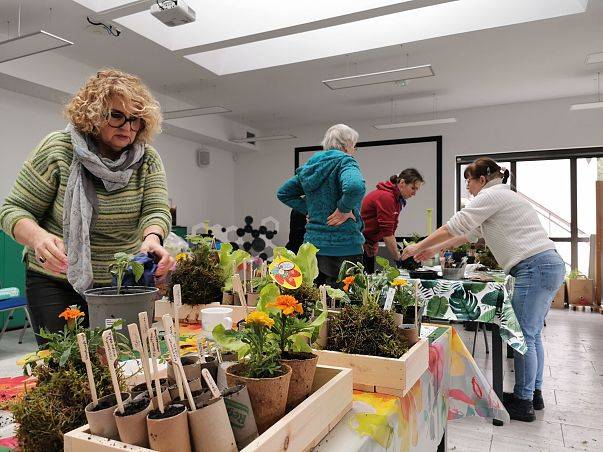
399,282
259,318
287,304
347,282
71,313
182,257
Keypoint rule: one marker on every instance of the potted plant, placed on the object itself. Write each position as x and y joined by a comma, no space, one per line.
407,309
56,404
109,304
487,259
267,379
410,263
230,262
293,333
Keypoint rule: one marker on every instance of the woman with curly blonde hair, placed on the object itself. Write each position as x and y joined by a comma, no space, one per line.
89,191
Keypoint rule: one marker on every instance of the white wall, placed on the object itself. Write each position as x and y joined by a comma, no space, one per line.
514,127
199,193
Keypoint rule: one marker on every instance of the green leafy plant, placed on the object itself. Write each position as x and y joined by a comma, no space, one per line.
293,331
487,259
575,274
257,348
123,264
305,259
56,404
366,330
364,288
229,259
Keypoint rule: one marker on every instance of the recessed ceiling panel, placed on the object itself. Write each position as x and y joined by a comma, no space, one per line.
461,16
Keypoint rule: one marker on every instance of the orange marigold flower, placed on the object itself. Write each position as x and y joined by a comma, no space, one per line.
287,304
71,313
347,282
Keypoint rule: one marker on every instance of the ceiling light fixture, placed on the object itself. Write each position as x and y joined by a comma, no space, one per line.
376,78
594,58
190,112
591,105
266,138
428,122
30,44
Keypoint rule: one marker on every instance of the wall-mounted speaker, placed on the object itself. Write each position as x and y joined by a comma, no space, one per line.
202,158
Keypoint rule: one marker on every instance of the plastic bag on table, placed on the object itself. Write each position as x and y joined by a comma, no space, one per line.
174,244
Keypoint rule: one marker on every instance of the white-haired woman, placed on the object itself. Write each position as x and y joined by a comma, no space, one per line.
329,189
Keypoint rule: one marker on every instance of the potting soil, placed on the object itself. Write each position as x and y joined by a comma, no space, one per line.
134,407
103,405
170,411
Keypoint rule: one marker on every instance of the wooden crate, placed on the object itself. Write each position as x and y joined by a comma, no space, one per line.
192,313
300,430
384,375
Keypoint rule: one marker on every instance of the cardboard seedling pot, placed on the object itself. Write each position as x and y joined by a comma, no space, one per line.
303,366
268,395
240,414
410,332
191,365
165,393
171,433
252,298
194,384
132,428
211,364
210,428
102,421
227,298
200,397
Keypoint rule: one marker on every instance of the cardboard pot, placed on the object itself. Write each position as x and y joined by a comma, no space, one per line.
171,433
194,384
268,395
410,332
102,422
252,298
227,298
303,366
210,428
210,364
240,414
165,394
132,428
191,365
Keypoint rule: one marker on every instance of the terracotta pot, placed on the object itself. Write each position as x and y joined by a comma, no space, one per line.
268,395
210,428
227,298
399,318
170,433
252,298
102,422
411,333
133,428
240,414
303,366
191,365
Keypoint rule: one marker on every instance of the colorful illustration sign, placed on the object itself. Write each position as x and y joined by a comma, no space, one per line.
285,273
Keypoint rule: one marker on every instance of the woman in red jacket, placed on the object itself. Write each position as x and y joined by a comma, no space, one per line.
380,211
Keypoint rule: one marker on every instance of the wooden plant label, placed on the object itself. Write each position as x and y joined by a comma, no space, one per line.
178,369
168,327
85,354
177,296
111,350
201,348
137,345
155,353
236,286
323,296
389,299
211,384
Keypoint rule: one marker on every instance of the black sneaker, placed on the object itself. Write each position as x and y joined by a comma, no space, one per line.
520,410
508,397
538,401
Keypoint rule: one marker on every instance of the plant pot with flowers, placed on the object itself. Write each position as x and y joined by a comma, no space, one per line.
267,379
56,405
293,334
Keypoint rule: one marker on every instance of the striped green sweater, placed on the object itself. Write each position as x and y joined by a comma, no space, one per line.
123,215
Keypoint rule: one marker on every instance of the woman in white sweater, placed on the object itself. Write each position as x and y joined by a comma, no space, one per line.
511,228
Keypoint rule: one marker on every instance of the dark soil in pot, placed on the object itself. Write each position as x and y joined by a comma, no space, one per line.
104,404
297,355
134,407
170,411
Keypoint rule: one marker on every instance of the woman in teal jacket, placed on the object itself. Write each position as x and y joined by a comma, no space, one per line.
329,189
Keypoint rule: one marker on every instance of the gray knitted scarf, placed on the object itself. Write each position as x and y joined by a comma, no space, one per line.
80,209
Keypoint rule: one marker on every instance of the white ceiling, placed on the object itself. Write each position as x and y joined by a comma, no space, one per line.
523,62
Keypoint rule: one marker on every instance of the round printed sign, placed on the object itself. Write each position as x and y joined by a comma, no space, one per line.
285,273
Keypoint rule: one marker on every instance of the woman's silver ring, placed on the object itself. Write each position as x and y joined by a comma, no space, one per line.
41,259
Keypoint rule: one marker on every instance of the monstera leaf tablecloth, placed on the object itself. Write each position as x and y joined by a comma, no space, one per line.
488,302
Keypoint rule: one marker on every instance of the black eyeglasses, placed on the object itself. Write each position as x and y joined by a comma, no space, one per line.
117,119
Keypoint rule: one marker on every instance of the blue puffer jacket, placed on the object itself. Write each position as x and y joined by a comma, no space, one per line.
329,180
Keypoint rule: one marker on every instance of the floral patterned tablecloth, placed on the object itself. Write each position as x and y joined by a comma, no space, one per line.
488,302
452,388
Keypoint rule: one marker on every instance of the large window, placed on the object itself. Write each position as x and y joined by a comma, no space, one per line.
560,185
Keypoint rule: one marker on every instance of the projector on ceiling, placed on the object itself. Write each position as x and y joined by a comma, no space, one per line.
173,12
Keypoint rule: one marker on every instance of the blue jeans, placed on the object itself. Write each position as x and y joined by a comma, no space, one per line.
537,280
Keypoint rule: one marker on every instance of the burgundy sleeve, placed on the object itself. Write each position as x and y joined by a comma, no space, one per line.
387,215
